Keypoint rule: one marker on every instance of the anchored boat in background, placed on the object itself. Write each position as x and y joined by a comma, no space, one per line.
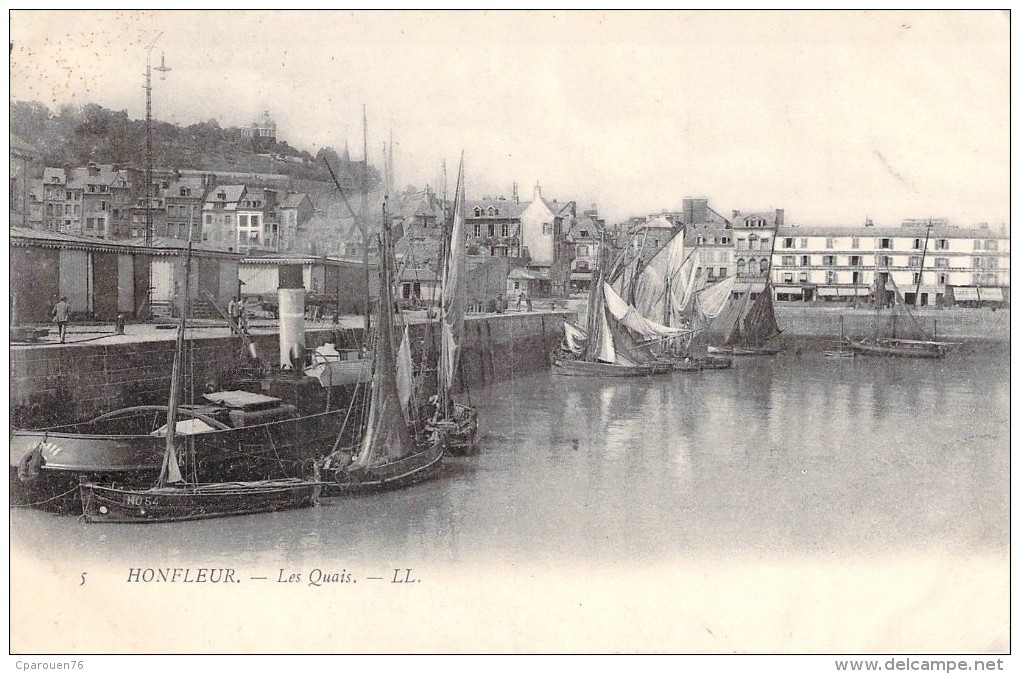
915,341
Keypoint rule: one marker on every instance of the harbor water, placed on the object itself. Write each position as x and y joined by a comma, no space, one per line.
789,504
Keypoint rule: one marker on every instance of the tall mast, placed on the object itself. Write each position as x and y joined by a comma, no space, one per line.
171,470
364,219
920,275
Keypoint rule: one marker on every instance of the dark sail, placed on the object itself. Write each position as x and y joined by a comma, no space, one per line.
760,323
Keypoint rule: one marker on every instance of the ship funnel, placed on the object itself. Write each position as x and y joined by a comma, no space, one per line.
291,295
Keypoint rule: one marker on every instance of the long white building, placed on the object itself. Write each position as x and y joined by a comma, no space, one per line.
941,264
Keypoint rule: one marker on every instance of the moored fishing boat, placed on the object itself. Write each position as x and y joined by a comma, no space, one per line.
608,346
397,447
193,502
177,495
916,344
454,421
842,349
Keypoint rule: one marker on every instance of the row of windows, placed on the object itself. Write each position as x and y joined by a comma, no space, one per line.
857,278
503,229
887,243
884,260
489,211
752,244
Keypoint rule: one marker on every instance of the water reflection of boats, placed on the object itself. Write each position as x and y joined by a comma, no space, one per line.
842,349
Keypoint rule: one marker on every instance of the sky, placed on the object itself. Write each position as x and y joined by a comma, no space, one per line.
833,116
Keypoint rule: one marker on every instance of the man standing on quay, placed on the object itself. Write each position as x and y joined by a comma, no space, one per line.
61,314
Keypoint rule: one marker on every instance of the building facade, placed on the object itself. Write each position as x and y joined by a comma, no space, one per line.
494,226
937,266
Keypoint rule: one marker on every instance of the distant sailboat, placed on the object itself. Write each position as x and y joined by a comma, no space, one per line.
919,344
842,350
607,347
456,422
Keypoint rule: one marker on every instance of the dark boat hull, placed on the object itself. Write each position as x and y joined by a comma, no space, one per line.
281,449
394,474
459,435
174,504
581,368
900,348
744,350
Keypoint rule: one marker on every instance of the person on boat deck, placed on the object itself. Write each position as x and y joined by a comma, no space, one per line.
62,314
234,312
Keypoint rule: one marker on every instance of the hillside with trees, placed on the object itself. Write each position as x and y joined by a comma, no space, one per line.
77,135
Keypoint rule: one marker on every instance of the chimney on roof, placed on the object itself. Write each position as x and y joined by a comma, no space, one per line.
982,225
515,197
538,191
780,217
868,222
93,169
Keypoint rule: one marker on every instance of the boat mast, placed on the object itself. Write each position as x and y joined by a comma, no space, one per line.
170,473
364,218
920,275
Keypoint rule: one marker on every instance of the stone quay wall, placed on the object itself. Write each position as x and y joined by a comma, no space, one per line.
58,385
965,324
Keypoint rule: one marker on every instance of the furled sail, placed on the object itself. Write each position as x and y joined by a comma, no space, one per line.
573,338
386,435
405,374
453,289
712,300
606,349
632,319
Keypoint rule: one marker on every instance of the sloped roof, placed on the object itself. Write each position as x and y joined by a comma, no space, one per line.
232,194
163,245
27,236
506,207
418,274
293,200
54,175
193,183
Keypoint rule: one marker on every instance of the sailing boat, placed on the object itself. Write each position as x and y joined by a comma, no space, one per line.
607,347
926,347
174,498
456,422
667,287
397,448
759,326
841,350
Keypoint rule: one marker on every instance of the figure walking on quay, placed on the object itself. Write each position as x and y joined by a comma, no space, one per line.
62,314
